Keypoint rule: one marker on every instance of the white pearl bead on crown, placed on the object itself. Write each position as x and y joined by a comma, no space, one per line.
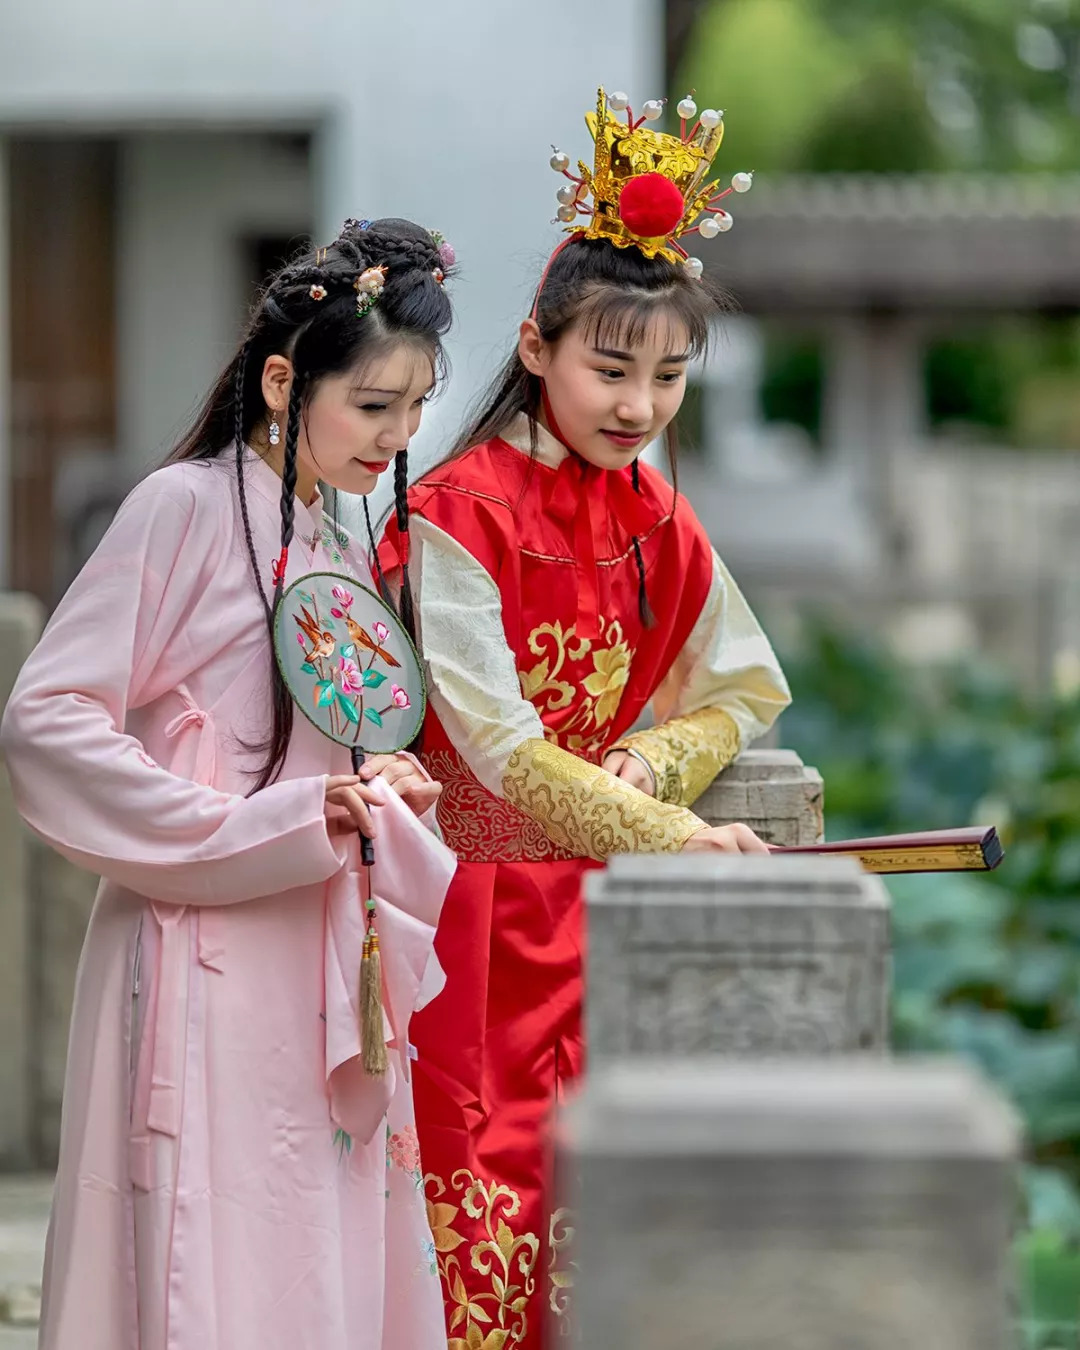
560,161
566,214
652,110
724,221
743,182
567,194
711,118
687,108
618,102
709,228
694,266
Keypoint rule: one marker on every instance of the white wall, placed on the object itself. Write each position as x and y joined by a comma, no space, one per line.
185,203
439,111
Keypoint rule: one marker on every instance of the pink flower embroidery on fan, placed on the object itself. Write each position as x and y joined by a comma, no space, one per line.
404,1149
399,697
349,676
343,597
300,639
381,631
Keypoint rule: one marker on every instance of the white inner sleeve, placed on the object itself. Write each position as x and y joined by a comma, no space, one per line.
472,673
727,663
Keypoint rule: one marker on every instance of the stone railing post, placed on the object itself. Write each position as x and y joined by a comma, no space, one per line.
773,792
750,955
21,621
45,904
834,1205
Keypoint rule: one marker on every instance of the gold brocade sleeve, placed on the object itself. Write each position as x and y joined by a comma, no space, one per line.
686,753
589,811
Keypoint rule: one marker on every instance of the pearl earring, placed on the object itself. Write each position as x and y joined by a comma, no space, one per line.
275,430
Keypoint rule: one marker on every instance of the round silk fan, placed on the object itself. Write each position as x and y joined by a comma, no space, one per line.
350,666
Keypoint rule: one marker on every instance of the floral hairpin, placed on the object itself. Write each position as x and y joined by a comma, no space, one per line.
369,285
352,224
317,292
445,249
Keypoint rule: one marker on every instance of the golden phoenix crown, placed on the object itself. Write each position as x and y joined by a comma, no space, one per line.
648,189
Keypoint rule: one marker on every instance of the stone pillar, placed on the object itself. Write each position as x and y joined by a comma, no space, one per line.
20,626
691,955
62,896
840,1205
6,410
773,792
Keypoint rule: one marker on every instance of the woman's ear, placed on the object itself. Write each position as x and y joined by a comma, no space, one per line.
276,382
534,352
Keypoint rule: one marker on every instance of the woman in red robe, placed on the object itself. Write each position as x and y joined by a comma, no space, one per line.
560,587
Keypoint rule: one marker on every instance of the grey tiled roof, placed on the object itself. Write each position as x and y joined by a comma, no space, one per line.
930,243
916,197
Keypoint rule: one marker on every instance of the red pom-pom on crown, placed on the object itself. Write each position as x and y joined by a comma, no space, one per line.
651,206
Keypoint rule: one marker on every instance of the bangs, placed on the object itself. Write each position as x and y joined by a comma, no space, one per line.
675,318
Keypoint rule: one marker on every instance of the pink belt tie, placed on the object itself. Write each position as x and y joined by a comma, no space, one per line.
170,1022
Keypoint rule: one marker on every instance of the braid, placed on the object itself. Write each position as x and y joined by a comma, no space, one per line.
238,397
288,479
384,590
644,608
401,512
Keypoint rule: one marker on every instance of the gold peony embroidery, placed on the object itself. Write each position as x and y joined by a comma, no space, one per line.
496,1318
553,685
686,753
608,680
588,811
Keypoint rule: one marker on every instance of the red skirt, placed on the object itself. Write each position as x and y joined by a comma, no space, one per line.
496,1050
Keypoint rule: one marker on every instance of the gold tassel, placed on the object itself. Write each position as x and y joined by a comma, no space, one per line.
371,1012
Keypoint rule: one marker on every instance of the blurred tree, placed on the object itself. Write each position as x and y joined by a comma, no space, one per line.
882,119
996,83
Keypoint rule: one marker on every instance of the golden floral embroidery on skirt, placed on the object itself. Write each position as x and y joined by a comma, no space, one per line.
560,1268
497,1318
553,685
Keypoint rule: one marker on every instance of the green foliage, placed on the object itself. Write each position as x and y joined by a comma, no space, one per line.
891,85
792,383
985,966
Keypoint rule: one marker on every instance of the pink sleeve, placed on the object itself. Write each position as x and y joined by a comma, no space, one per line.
85,786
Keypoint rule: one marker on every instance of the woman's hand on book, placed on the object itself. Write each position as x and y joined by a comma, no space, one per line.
725,839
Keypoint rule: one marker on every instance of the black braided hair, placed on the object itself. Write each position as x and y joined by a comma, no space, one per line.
241,489
384,589
648,618
288,476
308,313
401,513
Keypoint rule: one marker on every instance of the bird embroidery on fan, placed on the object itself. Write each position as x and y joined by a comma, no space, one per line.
363,638
322,644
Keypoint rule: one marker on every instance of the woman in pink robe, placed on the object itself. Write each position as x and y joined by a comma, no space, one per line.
230,1177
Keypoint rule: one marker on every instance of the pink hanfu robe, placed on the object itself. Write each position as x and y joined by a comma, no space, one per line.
230,1178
